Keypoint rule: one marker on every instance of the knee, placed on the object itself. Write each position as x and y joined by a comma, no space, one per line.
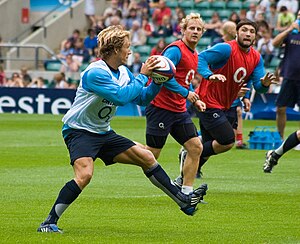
148,159
223,147
194,148
84,179
281,110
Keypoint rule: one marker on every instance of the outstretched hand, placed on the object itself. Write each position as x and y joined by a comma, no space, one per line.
244,89
217,77
269,79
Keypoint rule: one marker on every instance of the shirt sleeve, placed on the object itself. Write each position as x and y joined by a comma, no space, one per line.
174,54
257,74
214,57
100,82
147,94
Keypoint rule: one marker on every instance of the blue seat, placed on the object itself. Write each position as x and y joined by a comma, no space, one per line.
234,5
218,5
52,65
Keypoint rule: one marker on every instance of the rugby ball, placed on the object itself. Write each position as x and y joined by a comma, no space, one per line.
166,71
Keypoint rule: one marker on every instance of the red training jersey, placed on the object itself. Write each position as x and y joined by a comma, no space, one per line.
237,70
185,71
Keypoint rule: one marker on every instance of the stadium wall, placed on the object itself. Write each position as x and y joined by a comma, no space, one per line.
11,18
58,101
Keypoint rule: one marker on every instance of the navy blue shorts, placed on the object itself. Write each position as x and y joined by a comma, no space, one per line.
82,143
161,123
216,124
289,94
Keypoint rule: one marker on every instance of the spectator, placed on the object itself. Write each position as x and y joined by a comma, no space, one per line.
80,53
285,19
90,42
251,13
138,36
159,47
266,48
38,82
176,27
234,17
100,25
59,81
135,68
111,11
213,26
160,12
15,80
272,17
66,49
72,65
74,37
3,80
133,16
243,14
26,78
165,29
291,5
263,27
147,26
89,10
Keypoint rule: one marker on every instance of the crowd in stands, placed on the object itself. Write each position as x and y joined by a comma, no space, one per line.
156,23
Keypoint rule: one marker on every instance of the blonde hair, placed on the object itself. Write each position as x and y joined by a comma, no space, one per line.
192,16
111,40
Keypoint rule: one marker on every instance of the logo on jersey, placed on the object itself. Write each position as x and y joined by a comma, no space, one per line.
109,103
189,76
239,75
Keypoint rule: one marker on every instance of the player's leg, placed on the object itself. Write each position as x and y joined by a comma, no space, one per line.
144,158
217,133
288,96
239,129
159,122
281,120
186,135
80,145
273,156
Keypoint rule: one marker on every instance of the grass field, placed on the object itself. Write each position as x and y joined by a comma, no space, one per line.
121,206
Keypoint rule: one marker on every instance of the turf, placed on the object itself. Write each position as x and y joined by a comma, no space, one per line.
121,206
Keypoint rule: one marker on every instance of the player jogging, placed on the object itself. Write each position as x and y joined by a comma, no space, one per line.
167,113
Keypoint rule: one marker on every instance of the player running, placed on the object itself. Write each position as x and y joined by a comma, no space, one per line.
232,64
104,85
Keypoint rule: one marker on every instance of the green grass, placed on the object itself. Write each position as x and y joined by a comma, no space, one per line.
121,206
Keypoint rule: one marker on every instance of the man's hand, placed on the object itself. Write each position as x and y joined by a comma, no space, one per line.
217,77
192,97
150,64
268,79
242,92
201,106
247,105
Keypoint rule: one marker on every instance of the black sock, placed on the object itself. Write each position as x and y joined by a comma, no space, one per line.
290,142
160,179
66,196
287,145
206,153
207,149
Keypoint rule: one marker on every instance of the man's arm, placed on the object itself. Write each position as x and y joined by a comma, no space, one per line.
278,40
